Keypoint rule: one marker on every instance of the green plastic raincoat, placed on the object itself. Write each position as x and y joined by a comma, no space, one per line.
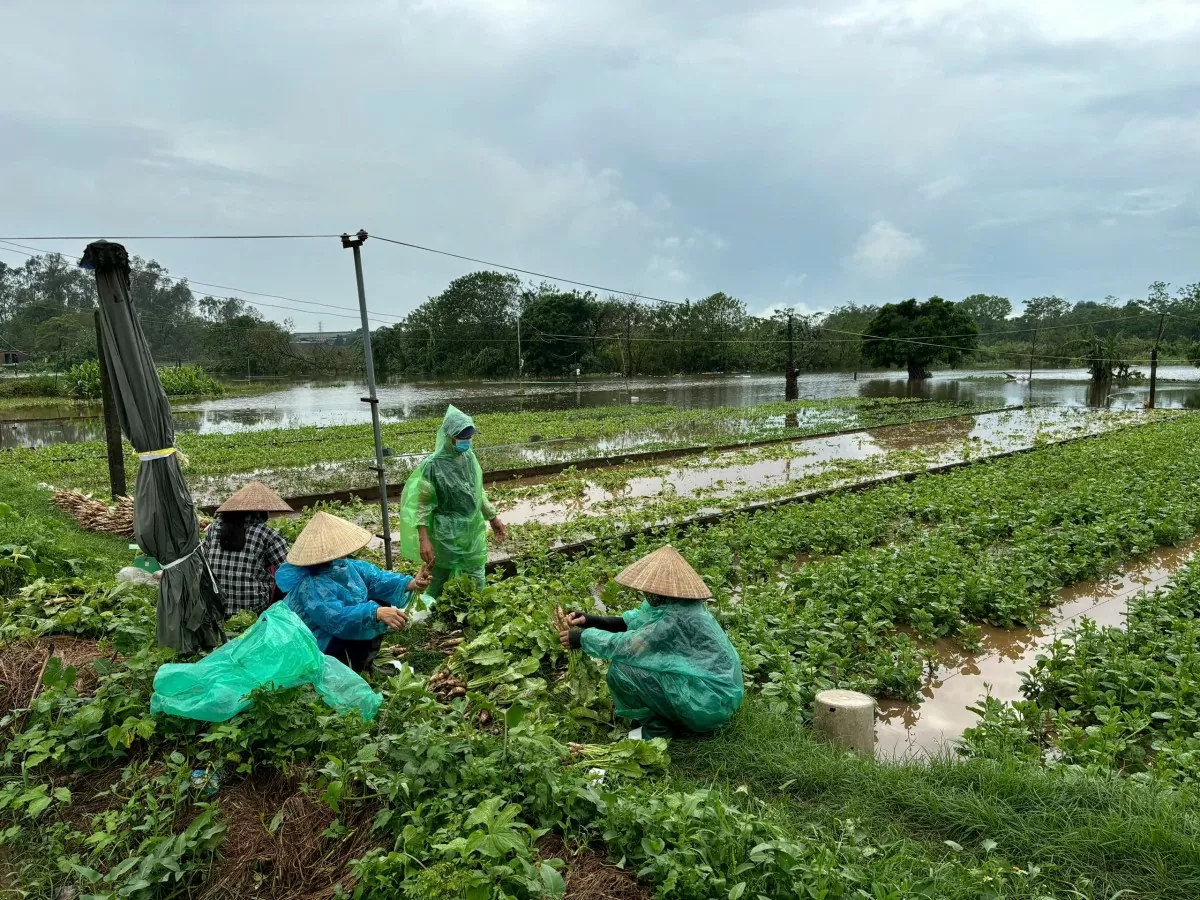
673,667
445,494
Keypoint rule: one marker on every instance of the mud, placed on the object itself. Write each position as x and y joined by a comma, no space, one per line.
961,680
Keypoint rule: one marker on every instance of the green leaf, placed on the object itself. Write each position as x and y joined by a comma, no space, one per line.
62,795
514,715
988,845
737,890
552,881
954,845
37,807
35,760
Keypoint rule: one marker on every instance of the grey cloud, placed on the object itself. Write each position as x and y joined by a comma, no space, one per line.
666,149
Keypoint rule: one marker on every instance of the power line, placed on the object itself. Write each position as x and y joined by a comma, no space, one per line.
170,237
484,262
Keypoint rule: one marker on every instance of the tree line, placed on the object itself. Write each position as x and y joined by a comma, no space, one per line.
46,311
490,324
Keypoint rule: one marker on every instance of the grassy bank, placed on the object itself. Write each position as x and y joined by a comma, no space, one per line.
1098,834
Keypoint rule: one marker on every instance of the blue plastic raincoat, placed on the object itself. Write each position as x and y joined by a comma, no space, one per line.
341,598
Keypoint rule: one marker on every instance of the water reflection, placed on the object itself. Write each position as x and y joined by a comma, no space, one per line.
339,403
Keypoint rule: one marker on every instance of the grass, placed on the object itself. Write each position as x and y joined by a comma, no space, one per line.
1098,835
95,554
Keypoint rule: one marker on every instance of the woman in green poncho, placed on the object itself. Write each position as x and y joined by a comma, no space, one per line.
671,667
445,511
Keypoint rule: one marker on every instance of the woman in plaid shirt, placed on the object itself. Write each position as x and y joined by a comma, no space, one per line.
243,551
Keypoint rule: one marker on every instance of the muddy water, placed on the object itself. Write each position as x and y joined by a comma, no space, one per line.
906,730
727,474
339,403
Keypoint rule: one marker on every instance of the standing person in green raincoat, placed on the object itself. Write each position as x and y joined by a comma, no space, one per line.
445,511
672,669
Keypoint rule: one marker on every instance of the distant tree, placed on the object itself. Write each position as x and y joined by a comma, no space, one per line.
67,339
556,329
988,311
838,328
915,335
475,311
1041,313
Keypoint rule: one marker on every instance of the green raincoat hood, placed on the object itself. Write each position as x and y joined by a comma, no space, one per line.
452,426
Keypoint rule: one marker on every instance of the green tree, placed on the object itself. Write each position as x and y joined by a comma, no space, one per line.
556,329
915,335
67,339
988,311
475,312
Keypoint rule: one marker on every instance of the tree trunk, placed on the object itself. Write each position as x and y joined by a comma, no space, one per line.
916,370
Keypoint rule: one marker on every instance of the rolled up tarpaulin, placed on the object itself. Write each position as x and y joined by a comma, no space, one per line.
190,612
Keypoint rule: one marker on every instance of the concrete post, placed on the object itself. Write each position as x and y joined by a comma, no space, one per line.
846,719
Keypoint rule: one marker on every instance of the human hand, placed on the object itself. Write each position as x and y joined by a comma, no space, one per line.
500,529
427,554
393,618
564,638
421,580
577,620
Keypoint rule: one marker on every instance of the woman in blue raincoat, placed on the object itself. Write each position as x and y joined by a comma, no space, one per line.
671,666
444,512
348,604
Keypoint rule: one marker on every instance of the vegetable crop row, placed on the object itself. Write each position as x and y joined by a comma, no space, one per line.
1108,698
986,544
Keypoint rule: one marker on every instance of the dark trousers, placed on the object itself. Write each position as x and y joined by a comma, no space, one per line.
358,655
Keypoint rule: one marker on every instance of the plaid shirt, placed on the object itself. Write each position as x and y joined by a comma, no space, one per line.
246,575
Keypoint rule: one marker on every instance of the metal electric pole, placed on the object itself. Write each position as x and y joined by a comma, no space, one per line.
791,389
355,243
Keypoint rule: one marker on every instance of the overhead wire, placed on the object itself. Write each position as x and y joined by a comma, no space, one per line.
168,237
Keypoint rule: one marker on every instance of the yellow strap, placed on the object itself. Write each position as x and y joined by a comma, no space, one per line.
162,454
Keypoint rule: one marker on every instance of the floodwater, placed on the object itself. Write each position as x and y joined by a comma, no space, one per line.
339,403
738,471
906,730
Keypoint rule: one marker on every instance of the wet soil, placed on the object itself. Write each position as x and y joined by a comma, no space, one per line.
961,680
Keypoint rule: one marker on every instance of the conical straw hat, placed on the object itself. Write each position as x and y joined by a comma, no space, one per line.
666,573
326,538
255,497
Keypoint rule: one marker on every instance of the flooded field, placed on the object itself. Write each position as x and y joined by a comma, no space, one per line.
748,474
906,730
339,403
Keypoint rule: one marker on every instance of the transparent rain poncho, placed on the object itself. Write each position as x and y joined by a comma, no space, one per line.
673,666
277,651
445,493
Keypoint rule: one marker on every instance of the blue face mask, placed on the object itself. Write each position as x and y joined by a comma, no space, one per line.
462,446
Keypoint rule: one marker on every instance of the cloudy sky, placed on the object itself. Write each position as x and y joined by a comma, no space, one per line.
808,153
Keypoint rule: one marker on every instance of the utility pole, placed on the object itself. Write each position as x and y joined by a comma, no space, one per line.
355,243
112,426
520,355
791,390
1162,322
